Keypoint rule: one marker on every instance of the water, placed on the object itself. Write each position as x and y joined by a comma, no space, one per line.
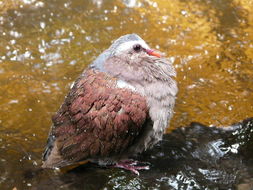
45,45
196,157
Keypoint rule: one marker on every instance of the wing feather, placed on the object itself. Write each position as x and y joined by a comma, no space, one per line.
97,119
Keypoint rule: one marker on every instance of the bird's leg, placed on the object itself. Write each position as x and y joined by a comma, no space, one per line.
131,165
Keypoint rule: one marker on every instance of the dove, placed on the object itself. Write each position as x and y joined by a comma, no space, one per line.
118,107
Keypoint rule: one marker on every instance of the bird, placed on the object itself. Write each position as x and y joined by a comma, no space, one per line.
118,107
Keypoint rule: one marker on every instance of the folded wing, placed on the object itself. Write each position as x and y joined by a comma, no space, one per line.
96,120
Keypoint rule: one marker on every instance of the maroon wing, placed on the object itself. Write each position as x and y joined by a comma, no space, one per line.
96,120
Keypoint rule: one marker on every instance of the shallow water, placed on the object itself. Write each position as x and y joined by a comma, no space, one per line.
45,45
196,157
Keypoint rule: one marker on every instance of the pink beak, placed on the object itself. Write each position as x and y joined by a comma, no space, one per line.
153,53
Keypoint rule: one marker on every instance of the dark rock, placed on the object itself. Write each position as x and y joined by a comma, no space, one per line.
194,157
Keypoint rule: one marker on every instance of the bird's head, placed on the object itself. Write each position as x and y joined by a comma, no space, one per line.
131,45
130,57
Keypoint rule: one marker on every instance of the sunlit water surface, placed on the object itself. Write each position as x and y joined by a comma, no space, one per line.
45,45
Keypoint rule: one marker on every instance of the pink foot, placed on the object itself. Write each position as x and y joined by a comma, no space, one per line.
131,165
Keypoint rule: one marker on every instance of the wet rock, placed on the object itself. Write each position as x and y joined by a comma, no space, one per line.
194,157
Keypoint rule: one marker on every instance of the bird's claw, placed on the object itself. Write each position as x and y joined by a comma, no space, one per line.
131,165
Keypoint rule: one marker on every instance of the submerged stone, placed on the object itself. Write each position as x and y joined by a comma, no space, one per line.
192,157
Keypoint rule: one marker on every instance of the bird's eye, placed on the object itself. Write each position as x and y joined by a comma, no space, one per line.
137,47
